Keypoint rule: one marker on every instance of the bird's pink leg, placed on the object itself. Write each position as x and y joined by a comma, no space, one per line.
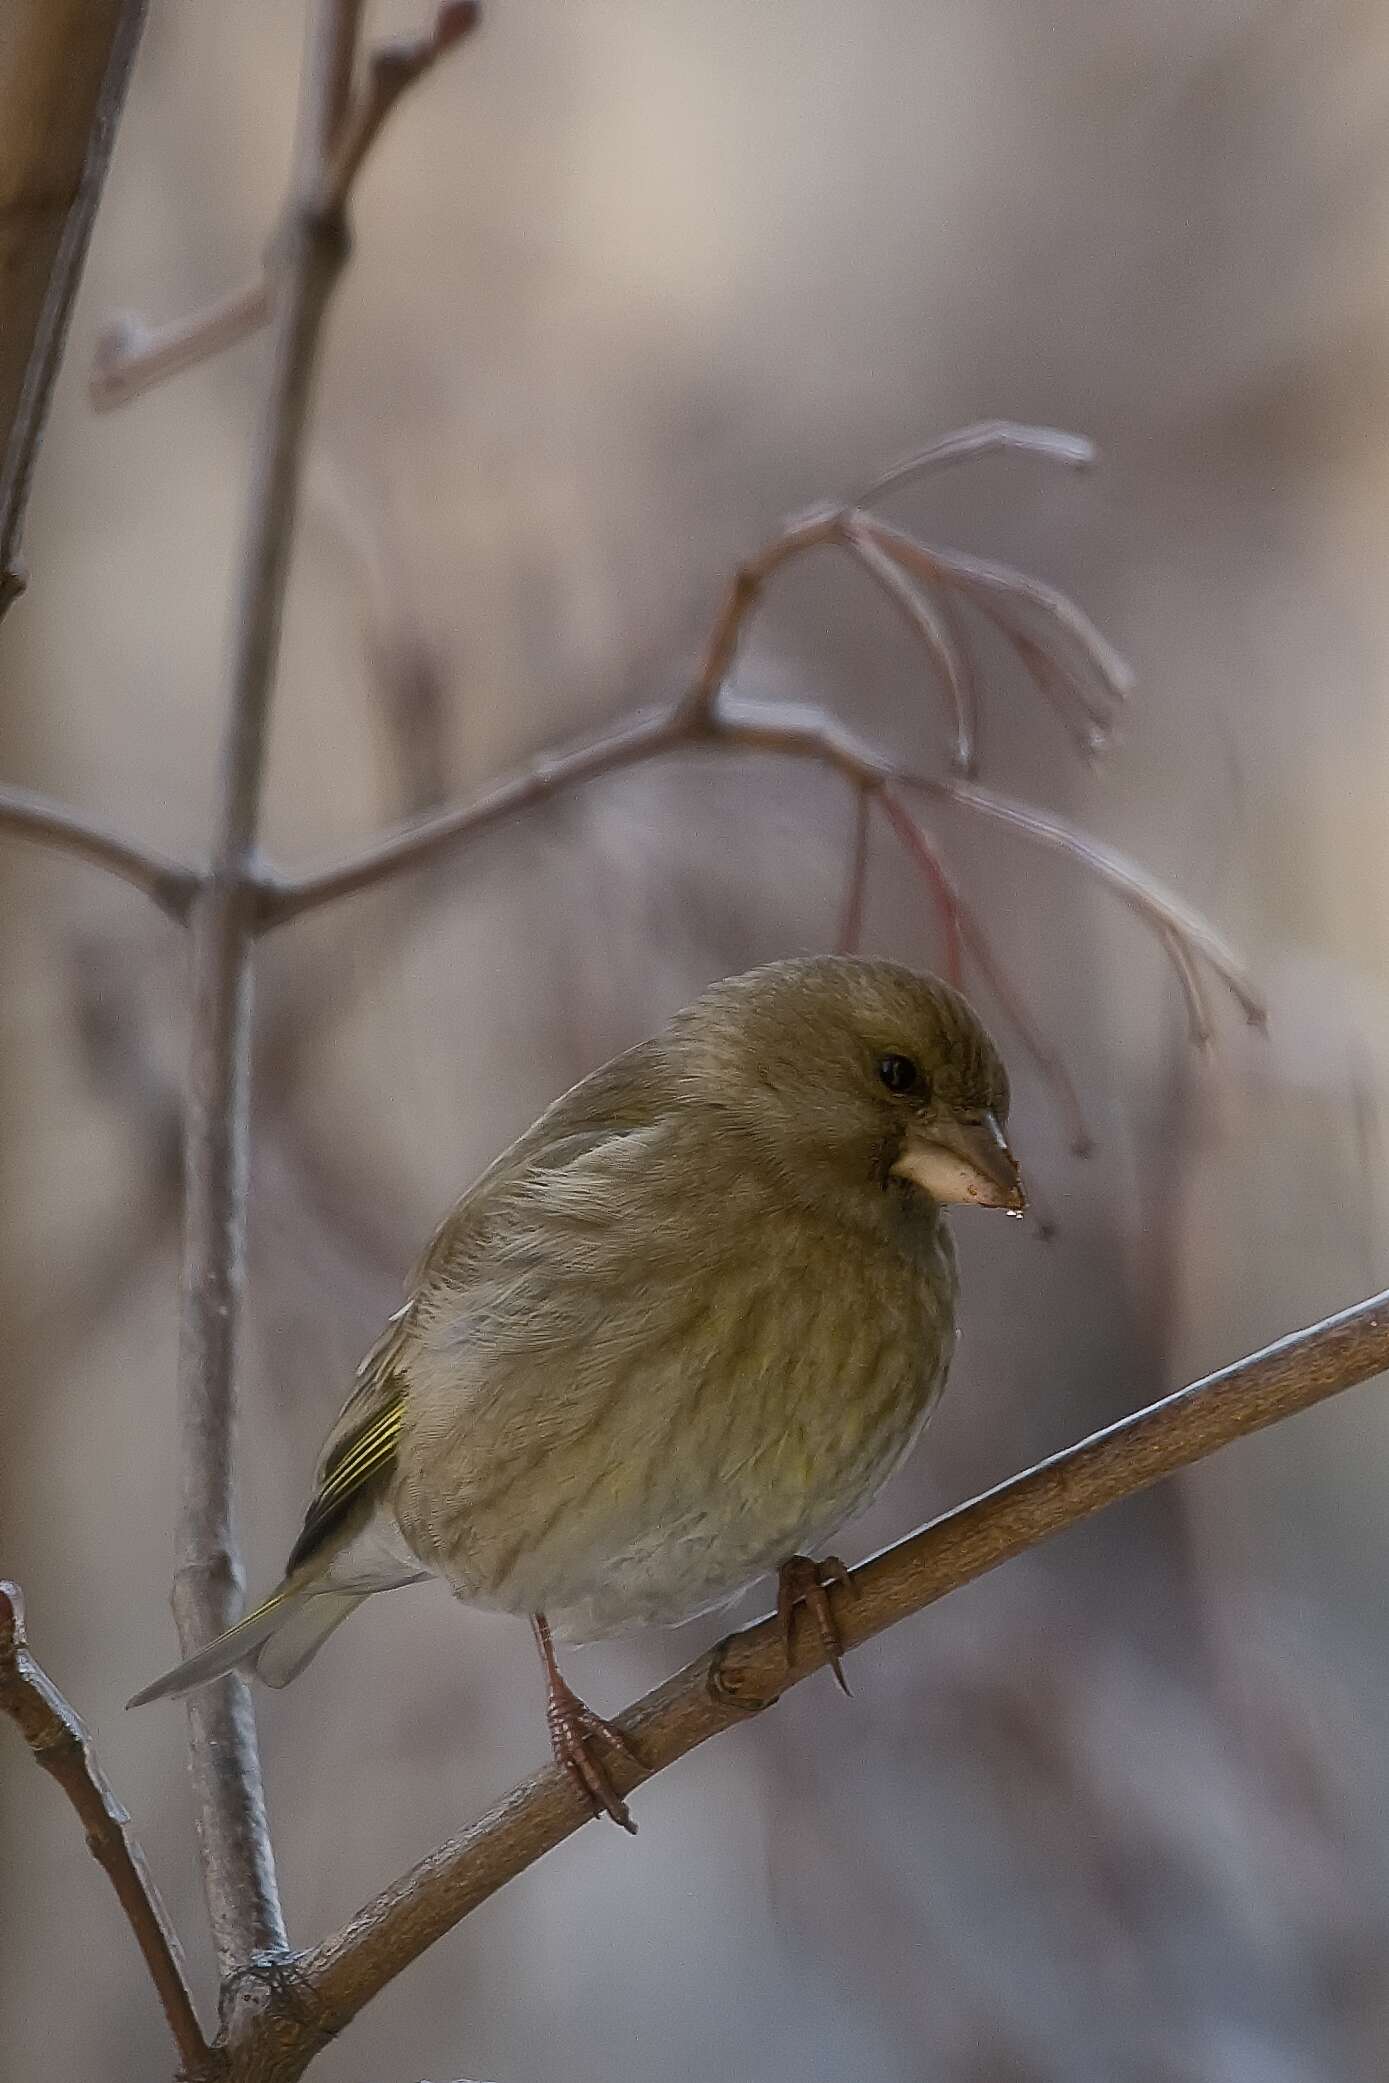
574,1727
801,1582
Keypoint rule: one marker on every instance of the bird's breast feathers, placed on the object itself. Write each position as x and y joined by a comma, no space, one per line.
653,1381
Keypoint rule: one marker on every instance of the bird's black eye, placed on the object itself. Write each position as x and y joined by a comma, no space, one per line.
900,1074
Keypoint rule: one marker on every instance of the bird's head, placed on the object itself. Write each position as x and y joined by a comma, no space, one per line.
856,1076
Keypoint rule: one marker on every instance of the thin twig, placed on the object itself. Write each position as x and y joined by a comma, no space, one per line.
391,68
1029,611
819,528
938,880
747,1673
62,1747
985,438
428,839
169,884
850,934
131,357
1157,907
929,616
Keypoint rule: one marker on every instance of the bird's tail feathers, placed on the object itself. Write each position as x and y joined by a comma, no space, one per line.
278,1639
301,1633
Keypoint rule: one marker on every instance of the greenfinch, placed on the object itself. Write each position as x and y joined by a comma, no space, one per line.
679,1332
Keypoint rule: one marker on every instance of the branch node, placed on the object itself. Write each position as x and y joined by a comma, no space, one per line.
727,1684
272,1983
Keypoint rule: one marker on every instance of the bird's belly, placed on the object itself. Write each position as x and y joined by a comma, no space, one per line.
712,1540
688,1491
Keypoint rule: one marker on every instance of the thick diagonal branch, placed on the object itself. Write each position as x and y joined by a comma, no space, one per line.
61,1746
746,1673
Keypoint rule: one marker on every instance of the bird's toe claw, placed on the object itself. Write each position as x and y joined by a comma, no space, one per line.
802,1582
574,1730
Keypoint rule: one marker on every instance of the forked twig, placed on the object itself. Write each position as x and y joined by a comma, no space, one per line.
131,357
390,69
172,885
62,1747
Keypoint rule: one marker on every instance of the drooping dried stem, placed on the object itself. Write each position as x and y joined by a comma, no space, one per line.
929,617
984,438
62,1747
1175,923
1081,668
64,67
938,880
746,1673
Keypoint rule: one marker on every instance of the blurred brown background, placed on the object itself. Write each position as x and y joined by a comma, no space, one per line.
631,283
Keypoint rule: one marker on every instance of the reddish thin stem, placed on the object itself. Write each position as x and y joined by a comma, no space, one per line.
938,881
850,935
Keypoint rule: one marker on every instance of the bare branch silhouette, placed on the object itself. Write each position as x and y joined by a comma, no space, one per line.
170,884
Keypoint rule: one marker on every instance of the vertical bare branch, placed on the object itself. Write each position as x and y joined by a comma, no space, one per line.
64,65
238,1866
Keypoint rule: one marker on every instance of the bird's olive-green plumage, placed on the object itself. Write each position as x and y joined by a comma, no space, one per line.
680,1330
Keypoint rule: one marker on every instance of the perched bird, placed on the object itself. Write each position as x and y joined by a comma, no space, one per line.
678,1333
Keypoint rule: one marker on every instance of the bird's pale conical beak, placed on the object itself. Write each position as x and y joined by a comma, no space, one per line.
963,1161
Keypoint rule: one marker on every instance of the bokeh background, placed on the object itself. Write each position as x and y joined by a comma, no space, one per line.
631,283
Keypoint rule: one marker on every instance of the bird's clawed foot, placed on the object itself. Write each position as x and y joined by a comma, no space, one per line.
801,1582
574,1730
